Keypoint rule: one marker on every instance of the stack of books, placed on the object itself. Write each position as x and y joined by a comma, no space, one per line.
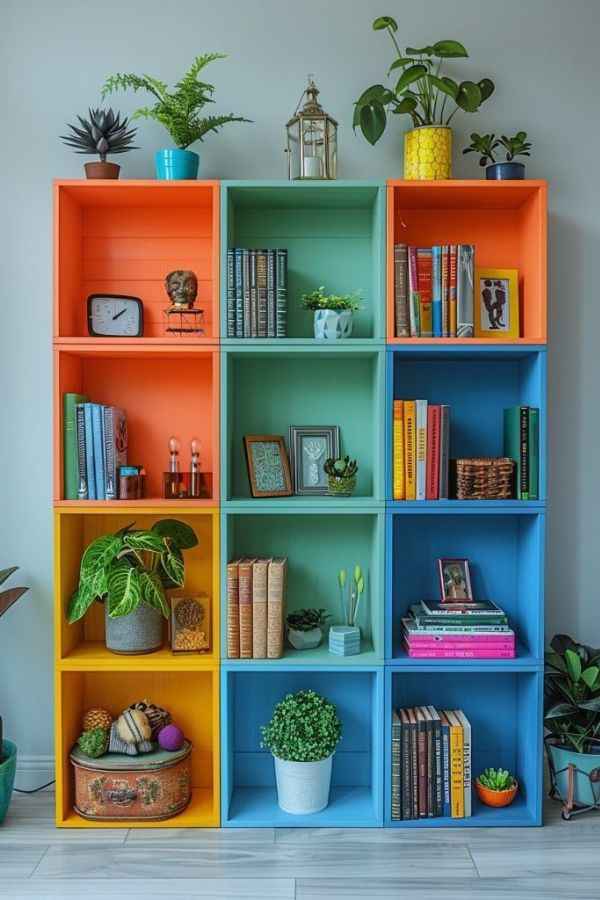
257,282
431,763
255,608
94,447
522,443
433,290
421,450
474,630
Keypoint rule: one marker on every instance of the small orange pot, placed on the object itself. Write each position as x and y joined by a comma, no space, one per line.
496,798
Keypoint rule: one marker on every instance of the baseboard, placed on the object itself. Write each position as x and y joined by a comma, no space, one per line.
33,771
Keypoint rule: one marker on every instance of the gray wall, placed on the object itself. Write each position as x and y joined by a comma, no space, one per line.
542,56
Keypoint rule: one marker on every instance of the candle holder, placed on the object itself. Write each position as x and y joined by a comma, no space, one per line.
187,485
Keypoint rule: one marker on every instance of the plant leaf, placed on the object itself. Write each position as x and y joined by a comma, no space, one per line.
182,535
592,705
80,602
445,85
468,96
555,661
590,676
402,62
420,51
409,76
562,642
487,88
573,661
6,573
383,22
100,554
406,105
10,596
172,564
153,592
144,540
449,49
372,120
560,710
124,591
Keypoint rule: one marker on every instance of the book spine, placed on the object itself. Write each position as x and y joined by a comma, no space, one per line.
534,453
115,448
414,309
239,293
414,768
452,291
457,792
466,728
437,652
271,299
436,291
433,453
398,452
461,640
396,767
246,288
259,608
422,760
446,808
99,451
524,452
275,607
230,293
445,291
463,630
406,778
431,773
253,295
261,293
424,284
70,445
233,611
281,293
421,420
89,452
402,318
82,485
464,290
439,774
444,476
245,599
410,449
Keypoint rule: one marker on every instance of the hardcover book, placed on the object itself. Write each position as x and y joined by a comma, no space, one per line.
260,570
115,448
82,485
445,291
414,310
239,293
444,476
396,765
436,291
421,421
465,277
246,294
89,452
398,450
425,287
281,288
245,598
457,778
402,318
433,452
231,293
271,298
99,449
452,290
233,610
445,725
466,729
70,445
422,761
261,293
253,295
276,607
406,776
410,449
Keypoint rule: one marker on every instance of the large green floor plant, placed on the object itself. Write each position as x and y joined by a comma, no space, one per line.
572,694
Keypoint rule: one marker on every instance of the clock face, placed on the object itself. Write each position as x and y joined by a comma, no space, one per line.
115,315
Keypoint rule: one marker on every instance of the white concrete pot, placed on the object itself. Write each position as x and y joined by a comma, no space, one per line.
303,787
331,325
305,640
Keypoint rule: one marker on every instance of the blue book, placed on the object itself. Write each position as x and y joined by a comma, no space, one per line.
436,290
89,452
98,435
446,808
115,448
238,277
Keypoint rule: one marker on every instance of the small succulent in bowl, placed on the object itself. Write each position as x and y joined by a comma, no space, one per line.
486,145
496,787
305,627
103,132
341,476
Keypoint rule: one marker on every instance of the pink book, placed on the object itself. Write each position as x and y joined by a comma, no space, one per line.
461,640
482,652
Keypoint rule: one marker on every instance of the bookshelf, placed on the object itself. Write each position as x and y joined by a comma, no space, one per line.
124,236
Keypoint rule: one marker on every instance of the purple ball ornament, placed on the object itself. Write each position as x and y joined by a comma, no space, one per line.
171,737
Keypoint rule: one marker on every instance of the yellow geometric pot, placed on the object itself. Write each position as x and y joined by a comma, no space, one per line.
428,153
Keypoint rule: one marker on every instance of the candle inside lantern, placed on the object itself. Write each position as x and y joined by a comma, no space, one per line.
312,167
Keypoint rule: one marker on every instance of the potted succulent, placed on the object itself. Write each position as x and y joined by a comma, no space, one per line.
430,98
332,313
129,572
572,717
305,628
496,787
341,476
103,132
179,111
486,144
8,750
302,736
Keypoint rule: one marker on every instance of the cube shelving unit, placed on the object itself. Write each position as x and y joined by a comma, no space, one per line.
124,237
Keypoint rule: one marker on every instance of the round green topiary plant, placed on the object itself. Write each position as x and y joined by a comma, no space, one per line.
305,728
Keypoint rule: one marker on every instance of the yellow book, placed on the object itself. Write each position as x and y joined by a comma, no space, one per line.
457,775
410,449
398,437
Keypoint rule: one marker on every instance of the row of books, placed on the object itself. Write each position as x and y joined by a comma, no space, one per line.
421,450
473,630
433,290
255,608
431,763
257,282
522,443
94,447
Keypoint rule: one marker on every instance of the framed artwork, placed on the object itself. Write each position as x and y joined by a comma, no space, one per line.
268,466
455,581
310,447
496,304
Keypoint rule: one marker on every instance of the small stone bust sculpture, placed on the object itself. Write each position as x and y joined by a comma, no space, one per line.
182,288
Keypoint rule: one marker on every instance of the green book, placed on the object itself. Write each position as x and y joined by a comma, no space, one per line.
534,453
516,446
70,454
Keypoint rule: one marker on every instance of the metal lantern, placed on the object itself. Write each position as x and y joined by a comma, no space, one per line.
311,139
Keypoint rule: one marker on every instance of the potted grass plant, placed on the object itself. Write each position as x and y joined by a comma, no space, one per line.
129,572
179,111
333,313
427,95
8,750
104,132
486,145
302,736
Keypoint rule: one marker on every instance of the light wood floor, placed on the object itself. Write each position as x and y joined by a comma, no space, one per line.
558,862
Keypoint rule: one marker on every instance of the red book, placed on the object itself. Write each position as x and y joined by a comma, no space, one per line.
432,484
425,288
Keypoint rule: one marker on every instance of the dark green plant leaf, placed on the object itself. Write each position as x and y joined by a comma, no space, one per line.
6,573
402,62
372,121
468,96
100,554
173,567
573,661
487,88
182,535
409,76
590,676
144,540
555,661
562,642
153,592
383,22
80,602
592,705
124,591
420,51
560,711
445,85
449,49
406,105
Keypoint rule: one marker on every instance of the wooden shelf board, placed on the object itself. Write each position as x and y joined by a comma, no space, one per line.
94,656
148,505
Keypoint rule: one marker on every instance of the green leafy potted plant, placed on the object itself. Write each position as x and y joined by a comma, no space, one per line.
8,750
179,111
485,146
341,476
302,736
496,787
305,628
129,571
332,313
572,715
430,98
103,132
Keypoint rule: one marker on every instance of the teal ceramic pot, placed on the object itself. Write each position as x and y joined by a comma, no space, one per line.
8,769
176,165
586,792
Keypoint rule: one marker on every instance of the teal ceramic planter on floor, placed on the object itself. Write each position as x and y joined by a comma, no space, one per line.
8,769
176,165
586,792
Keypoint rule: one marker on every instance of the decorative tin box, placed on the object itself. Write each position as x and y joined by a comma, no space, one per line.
190,623
153,785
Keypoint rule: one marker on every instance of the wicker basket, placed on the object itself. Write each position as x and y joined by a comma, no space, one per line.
485,478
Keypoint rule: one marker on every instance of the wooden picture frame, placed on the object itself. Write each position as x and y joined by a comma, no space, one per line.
268,465
463,592
327,444
496,304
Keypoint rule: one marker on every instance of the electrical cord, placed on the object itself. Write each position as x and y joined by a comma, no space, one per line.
35,790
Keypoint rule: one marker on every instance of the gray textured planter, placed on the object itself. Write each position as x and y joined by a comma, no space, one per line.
141,632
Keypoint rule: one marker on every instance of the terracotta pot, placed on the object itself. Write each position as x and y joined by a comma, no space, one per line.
496,798
102,170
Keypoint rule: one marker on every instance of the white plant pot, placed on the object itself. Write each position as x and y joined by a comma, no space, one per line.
303,787
331,325
305,640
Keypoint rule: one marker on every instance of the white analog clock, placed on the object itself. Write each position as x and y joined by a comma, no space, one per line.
115,315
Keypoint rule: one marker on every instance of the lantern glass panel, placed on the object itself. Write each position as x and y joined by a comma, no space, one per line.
293,149
313,148
331,156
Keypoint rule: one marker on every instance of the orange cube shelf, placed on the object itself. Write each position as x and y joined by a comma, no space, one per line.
507,222
123,237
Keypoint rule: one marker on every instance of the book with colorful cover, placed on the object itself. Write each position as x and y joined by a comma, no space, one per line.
115,448
261,293
410,449
70,445
239,292
534,453
230,292
441,628
421,422
399,492
483,651
432,487
466,727
457,777
89,452
471,608
82,484
414,306
445,727
425,288
281,289
436,291
401,312
465,277
445,290
516,446
99,450
452,261
444,453
396,765
233,610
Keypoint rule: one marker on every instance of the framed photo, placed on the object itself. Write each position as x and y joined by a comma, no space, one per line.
268,466
310,447
455,581
497,304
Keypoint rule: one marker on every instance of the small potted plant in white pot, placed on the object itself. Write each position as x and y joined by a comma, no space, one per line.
486,146
302,736
332,313
305,628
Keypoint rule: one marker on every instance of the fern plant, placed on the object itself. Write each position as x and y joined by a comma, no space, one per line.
178,110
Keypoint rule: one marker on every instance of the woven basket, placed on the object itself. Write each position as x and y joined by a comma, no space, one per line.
485,478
